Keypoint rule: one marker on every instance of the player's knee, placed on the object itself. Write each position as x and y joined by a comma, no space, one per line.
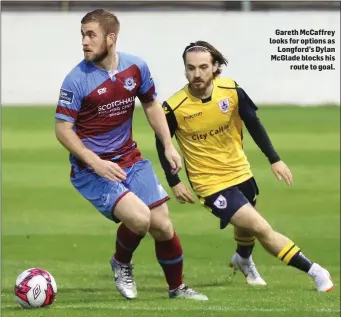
248,218
133,213
162,231
141,221
161,227
164,226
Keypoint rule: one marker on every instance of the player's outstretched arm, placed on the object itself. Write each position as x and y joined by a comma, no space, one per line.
158,122
68,138
171,124
247,112
181,193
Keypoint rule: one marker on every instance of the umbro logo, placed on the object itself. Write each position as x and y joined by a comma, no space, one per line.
102,90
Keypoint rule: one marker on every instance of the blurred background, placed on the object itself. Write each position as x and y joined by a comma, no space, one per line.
42,38
164,5
46,223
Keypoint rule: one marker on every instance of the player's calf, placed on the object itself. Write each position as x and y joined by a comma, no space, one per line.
168,248
242,260
135,217
169,253
245,242
247,218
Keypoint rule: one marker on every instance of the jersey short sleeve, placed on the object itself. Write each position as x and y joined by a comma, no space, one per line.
147,91
70,100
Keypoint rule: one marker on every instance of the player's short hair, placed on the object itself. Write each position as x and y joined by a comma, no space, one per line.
202,46
107,20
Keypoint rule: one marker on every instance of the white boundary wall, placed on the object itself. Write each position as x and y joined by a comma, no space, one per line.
39,49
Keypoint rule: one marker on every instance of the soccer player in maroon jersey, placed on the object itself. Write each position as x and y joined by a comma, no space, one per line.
94,123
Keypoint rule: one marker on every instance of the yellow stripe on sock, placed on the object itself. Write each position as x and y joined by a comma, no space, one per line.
285,249
291,254
245,244
245,241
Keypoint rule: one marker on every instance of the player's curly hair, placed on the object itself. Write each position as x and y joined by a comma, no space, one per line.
107,20
202,46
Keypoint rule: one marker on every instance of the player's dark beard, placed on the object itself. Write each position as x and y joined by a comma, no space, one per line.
199,91
102,54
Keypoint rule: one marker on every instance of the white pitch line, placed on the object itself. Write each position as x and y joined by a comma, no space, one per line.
203,308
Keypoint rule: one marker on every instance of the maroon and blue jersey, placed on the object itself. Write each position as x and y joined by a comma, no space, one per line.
101,106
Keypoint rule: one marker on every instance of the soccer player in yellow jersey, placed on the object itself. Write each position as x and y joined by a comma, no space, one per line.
207,116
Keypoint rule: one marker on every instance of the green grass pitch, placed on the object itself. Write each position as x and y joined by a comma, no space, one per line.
47,224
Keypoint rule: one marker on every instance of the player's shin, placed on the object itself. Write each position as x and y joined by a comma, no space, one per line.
245,242
126,243
292,255
285,250
170,257
288,252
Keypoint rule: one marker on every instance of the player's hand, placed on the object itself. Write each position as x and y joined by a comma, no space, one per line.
109,170
282,171
182,194
173,158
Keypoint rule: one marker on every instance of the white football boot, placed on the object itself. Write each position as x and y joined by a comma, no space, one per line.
321,278
248,268
124,279
184,292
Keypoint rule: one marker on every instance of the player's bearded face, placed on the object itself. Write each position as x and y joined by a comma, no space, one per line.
95,44
96,53
199,70
101,53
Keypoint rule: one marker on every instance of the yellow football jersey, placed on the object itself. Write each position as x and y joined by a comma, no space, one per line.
209,134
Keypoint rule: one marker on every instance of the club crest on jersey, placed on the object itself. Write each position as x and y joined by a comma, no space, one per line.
224,105
129,83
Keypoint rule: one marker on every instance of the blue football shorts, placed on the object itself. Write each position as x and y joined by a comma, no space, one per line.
104,194
225,203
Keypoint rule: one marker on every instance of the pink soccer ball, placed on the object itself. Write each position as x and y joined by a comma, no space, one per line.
35,288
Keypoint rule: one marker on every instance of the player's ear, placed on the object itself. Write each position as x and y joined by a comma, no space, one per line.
112,38
215,67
